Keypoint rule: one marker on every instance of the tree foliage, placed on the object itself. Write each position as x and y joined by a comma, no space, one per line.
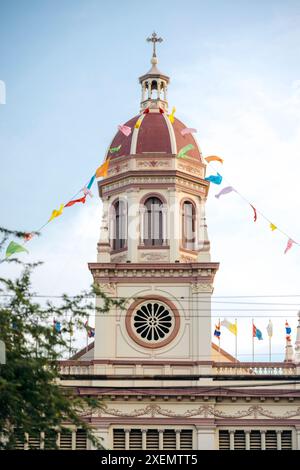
31,399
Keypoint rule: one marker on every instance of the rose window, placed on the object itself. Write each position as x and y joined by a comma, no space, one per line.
153,321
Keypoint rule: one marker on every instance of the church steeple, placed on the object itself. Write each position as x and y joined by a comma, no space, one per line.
154,83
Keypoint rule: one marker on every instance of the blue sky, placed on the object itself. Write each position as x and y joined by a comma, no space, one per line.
71,69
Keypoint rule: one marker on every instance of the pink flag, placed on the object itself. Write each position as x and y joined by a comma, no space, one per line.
226,190
188,130
87,191
289,245
125,130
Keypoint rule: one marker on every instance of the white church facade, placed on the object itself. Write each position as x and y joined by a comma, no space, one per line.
161,381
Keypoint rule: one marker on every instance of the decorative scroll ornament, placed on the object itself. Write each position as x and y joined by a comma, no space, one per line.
203,411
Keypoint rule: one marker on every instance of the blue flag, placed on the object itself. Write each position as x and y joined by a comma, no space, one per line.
217,179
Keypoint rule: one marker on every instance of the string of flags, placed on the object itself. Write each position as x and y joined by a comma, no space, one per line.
217,179
102,171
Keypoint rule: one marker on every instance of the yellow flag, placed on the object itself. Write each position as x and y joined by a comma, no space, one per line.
103,169
56,213
138,123
232,327
272,227
171,116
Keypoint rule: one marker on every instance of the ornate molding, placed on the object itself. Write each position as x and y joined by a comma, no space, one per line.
198,288
144,180
187,259
203,411
118,258
108,288
154,256
190,169
154,164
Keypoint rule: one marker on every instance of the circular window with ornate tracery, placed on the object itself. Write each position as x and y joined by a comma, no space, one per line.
152,322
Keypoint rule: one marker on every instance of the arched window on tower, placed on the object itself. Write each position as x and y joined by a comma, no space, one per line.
153,233
119,232
188,225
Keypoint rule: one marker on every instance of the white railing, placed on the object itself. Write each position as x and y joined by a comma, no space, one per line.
216,369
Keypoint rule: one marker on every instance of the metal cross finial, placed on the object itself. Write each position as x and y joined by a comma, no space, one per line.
154,39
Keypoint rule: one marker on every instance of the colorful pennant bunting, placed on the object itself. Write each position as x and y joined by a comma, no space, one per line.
115,149
126,130
184,150
171,116
103,169
214,158
14,247
74,201
216,179
56,213
138,123
226,190
188,130
289,245
90,183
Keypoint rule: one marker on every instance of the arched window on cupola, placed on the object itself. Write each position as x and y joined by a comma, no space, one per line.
188,217
119,225
153,227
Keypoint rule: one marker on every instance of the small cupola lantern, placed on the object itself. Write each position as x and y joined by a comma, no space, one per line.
154,83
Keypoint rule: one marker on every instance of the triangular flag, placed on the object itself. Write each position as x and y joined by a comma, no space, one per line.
90,183
289,245
115,149
103,169
138,123
184,150
56,213
188,130
74,201
273,227
226,190
126,130
171,116
214,158
216,179
14,247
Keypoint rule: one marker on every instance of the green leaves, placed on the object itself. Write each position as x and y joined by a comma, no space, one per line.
31,400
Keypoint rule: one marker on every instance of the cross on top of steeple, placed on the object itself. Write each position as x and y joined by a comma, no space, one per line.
154,39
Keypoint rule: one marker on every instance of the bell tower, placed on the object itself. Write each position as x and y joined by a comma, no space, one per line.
154,249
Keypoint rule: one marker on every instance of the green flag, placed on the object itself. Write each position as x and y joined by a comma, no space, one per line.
184,150
14,247
115,149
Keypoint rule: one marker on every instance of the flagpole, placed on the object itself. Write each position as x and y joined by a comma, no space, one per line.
270,344
236,340
219,336
87,336
252,341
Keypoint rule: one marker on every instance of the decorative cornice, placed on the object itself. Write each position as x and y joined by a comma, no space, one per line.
149,179
204,411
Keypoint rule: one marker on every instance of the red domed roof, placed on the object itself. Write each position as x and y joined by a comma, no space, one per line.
156,134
